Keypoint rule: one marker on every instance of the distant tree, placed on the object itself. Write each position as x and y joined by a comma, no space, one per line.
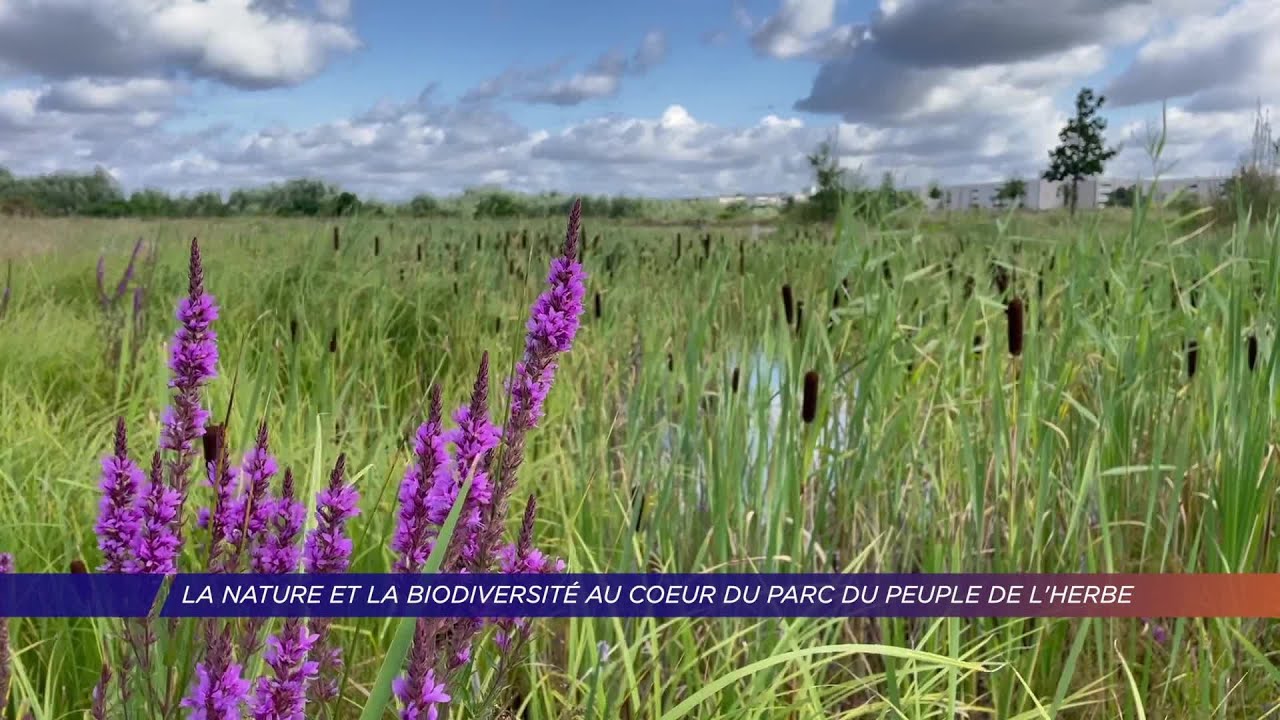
1122,196
1081,152
1012,191
829,177
424,206
935,192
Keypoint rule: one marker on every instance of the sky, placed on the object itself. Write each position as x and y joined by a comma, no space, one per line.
664,98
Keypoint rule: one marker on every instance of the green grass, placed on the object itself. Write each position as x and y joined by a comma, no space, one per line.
1092,452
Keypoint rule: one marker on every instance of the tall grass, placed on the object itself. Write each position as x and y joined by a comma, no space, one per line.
1099,453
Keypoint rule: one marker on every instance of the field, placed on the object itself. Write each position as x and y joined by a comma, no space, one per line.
674,441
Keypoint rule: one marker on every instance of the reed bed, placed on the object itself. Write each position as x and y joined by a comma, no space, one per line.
1126,425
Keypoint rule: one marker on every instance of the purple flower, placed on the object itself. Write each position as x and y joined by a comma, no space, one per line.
193,361
472,441
283,695
157,545
219,692
119,518
328,550
420,698
522,557
275,548
412,541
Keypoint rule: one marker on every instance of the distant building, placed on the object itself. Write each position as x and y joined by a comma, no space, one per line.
1053,195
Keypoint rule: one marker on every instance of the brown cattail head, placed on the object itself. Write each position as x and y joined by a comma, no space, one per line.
799,316
1040,288
78,567
788,304
671,362
597,305
477,242
377,245
1014,318
809,402
678,245
1193,357
336,243
733,381
455,288
333,341
293,330
1251,347
401,274
706,245
742,259
497,325
419,252
213,441
887,272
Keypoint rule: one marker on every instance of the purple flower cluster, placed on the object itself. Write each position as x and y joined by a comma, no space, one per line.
140,522
119,518
488,457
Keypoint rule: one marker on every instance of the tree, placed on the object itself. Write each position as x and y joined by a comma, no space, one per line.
829,177
1123,196
1081,152
1012,191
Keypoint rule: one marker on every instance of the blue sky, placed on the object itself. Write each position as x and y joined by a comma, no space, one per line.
688,98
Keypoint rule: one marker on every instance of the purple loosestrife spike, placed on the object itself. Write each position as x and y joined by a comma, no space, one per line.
219,691
6,567
421,701
414,532
275,549
119,519
102,281
328,550
99,709
223,518
522,557
472,441
255,510
194,362
554,322
283,695
157,545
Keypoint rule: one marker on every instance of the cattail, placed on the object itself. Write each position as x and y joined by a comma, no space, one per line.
1040,288
678,245
377,245
1252,349
477,242
1193,357
497,326
788,304
887,272
1013,316
706,246
333,341
524,239
809,403
293,330
336,244
1106,288
597,306
671,363
455,288
419,252
401,274
742,259
799,316
78,567
733,381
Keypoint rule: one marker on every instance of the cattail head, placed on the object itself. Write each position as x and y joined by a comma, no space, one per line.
887,272
419,252
1014,318
809,402
478,242
293,330
733,381
377,245
78,567
597,306
1252,351
671,362
799,316
1193,357
788,304
333,341
336,243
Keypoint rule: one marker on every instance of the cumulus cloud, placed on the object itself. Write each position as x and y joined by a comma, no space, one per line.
601,79
1218,62
84,95
243,43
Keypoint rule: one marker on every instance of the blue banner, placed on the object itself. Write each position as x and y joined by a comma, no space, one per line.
66,596
581,595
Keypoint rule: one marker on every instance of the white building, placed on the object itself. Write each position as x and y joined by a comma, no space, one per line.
1052,195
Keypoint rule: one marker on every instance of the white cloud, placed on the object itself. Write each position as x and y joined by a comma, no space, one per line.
238,42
